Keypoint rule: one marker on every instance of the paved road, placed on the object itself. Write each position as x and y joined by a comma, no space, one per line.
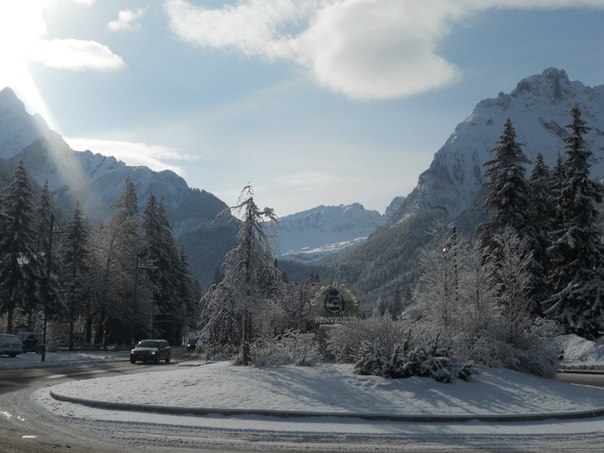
23,430
586,378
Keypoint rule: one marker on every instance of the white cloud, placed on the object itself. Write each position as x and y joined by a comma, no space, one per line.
127,20
135,153
366,49
77,55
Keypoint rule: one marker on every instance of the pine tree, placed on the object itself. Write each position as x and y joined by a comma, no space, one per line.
75,262
124,231
188,292
161,264
245,302
578,253
542,218
557,183
21,272
119,301
44,211
506,190
45,220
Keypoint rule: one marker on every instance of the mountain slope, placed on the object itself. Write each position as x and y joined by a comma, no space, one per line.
96,181
317,232
451,188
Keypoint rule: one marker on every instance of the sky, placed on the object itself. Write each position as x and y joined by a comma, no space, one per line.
310,101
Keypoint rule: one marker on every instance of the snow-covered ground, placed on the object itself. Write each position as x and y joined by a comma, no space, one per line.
334,389
580,353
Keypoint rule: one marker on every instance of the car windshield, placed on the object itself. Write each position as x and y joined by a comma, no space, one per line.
148,344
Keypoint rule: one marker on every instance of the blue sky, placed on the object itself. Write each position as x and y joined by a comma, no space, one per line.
311,101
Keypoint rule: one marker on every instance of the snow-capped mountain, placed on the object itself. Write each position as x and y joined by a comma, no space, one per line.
539,108
96,181
312,234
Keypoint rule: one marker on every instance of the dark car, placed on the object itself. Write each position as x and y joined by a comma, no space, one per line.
151,351
191,344
31,341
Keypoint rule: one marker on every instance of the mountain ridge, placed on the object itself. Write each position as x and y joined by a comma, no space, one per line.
451,188
96,181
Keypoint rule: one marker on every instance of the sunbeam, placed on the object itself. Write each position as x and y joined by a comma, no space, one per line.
21,27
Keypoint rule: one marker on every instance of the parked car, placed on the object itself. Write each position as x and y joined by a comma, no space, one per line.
10,345
151,351
31,341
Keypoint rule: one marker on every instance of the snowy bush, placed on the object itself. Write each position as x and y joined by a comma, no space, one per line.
530,352
344,342
291,348
406,360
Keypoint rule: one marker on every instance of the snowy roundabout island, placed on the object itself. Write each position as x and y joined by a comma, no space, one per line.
328,408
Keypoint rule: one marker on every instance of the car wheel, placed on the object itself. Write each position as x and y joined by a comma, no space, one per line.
12,355
157,359
168,359
132,360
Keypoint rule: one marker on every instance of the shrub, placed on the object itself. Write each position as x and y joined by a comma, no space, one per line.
405,361
291,348
344,342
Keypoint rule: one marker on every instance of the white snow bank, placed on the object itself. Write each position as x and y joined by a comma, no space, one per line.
579,352
333,388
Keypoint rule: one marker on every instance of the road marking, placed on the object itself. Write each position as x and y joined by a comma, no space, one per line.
29,436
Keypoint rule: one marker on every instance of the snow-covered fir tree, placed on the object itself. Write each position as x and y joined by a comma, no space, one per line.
506,189
542,219
577,254
161,260
21,271
75,254
44,211
246,302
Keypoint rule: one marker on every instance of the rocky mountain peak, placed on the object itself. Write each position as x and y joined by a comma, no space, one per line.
18,128
550,84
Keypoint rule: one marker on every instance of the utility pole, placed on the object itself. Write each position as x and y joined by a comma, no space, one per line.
47,299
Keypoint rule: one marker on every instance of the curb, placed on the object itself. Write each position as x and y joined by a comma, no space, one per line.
200,411
580,371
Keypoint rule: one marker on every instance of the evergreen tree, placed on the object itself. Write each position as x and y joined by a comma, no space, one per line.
45,221
118,303
578,253
557,183
506,190
21,271
245,302
161,264
75,262
542,218
188,292
44,211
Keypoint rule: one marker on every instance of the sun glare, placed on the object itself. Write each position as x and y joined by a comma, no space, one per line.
21,27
